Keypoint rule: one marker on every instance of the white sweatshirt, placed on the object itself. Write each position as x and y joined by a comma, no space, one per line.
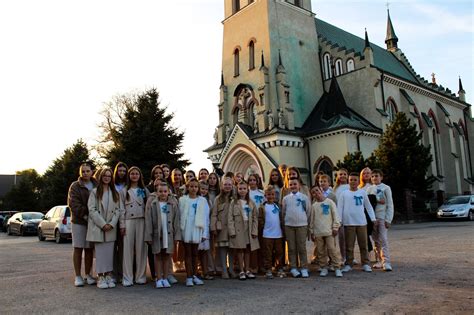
382,211
350,206
296,209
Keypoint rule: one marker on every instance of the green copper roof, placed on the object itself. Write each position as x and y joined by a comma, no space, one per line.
383,59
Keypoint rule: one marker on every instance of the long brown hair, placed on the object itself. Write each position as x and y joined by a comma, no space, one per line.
287,176
116,180
279,182
100,187
217,187
141,184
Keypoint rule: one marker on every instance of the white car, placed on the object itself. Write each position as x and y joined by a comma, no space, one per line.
56,224
457,207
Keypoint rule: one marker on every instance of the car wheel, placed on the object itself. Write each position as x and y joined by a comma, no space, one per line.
9,232
57,237
470,216
22,233
40,235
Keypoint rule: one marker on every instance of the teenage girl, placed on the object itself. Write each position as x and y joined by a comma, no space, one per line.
243,229
177,183
132,228
214,188
120,181
204,246
277,182
341,186
167,173
193,212
257,196
292,173
219,226
203,174
365,182
104,210
156,172
162,229
214,191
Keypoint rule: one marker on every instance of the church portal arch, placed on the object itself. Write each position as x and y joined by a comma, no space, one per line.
243,159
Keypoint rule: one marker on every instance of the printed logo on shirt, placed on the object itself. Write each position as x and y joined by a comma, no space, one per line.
247,209
164,209
195,205
275,209
358,200
379,193
258,199
302,203
325,208
141,193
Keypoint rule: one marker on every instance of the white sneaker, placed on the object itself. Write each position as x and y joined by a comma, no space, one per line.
166,283
387,267
90,280
304,273
249,275
378,265
189,282
110,281
355,262
78,281
159,284
172,279
126,283
281,274
366,268
197,281
323,273
295,273
338,273
102,283
346,268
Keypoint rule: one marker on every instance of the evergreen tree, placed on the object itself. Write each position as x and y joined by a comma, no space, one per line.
404,159
59,176
355,162
138,131
25,196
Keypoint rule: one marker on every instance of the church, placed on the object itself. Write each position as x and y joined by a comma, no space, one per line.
300,91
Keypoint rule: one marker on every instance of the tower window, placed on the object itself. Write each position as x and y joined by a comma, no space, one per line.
391,110
236,62
338,67
350,65
251,55
235,6
327,66
298,3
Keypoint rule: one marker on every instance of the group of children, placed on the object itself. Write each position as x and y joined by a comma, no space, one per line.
223,224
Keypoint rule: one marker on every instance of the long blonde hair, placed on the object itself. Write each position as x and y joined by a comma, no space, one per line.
338,182
362,183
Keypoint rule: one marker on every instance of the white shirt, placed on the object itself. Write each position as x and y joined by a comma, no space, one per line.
350,206
245,209
296,208
272,227
340,189
257,197
382,211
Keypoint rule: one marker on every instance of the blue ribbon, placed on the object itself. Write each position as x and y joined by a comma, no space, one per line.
325,208
164,209
247,209
195,205
258,199
141,192
275,209
358,200
301,202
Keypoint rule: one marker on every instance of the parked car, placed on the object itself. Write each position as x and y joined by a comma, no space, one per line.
4,216
457,207
23,223
56,224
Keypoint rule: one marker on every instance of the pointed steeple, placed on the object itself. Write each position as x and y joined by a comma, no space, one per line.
368,52
222,78
336,104
280,67
279,58
262,61
461,92
367,43
391,39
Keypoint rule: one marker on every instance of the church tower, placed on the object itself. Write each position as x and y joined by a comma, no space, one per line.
271,75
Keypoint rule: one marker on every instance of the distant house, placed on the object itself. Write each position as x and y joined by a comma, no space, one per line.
7,182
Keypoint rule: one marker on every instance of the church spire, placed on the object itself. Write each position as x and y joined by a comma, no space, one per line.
367,43
368,52
460,85
279,58
262,62
391,39
461,92
222,78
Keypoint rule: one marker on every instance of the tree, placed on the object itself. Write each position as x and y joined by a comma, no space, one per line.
137,130
404,159
355,162
25,196
59,176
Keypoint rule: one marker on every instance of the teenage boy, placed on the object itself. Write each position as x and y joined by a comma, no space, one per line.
350,206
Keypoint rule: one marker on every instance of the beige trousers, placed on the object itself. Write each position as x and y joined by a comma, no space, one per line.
134,246
351,233
326,246
296,240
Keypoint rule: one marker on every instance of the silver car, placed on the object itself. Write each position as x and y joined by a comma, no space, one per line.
56,224
457,207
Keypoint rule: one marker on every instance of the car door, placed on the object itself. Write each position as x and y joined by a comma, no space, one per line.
46,224
15,223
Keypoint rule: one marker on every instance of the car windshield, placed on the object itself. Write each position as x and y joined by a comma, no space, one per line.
458,200
32,216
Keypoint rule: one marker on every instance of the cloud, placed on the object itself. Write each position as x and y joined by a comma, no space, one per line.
443,21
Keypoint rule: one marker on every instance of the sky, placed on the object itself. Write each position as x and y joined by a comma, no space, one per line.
60,61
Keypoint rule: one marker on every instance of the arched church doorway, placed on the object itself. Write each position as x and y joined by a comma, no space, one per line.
324,164
244,160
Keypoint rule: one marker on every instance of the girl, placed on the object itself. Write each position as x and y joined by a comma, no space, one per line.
365,182
214,191
365,178
341,186
276,181
132,228
204,247
120,181
282,168
188,176
166,173
292,173
156,172
162,229
193,211
104,210
243,229
177,183
257,196
238,177
203,174
219,226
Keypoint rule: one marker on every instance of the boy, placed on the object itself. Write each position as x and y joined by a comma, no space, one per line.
270,223
325,188
350,205
384,215
324,224
295,210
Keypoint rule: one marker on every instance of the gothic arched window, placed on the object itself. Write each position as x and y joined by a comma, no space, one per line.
350,65
251,55
338,67
327,66
391,110
236,62
235,6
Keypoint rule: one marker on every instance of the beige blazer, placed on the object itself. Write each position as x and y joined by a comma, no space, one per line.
99,216
153,224
133,208
219,222
237,226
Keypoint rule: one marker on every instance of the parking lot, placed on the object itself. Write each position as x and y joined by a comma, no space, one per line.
433,273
